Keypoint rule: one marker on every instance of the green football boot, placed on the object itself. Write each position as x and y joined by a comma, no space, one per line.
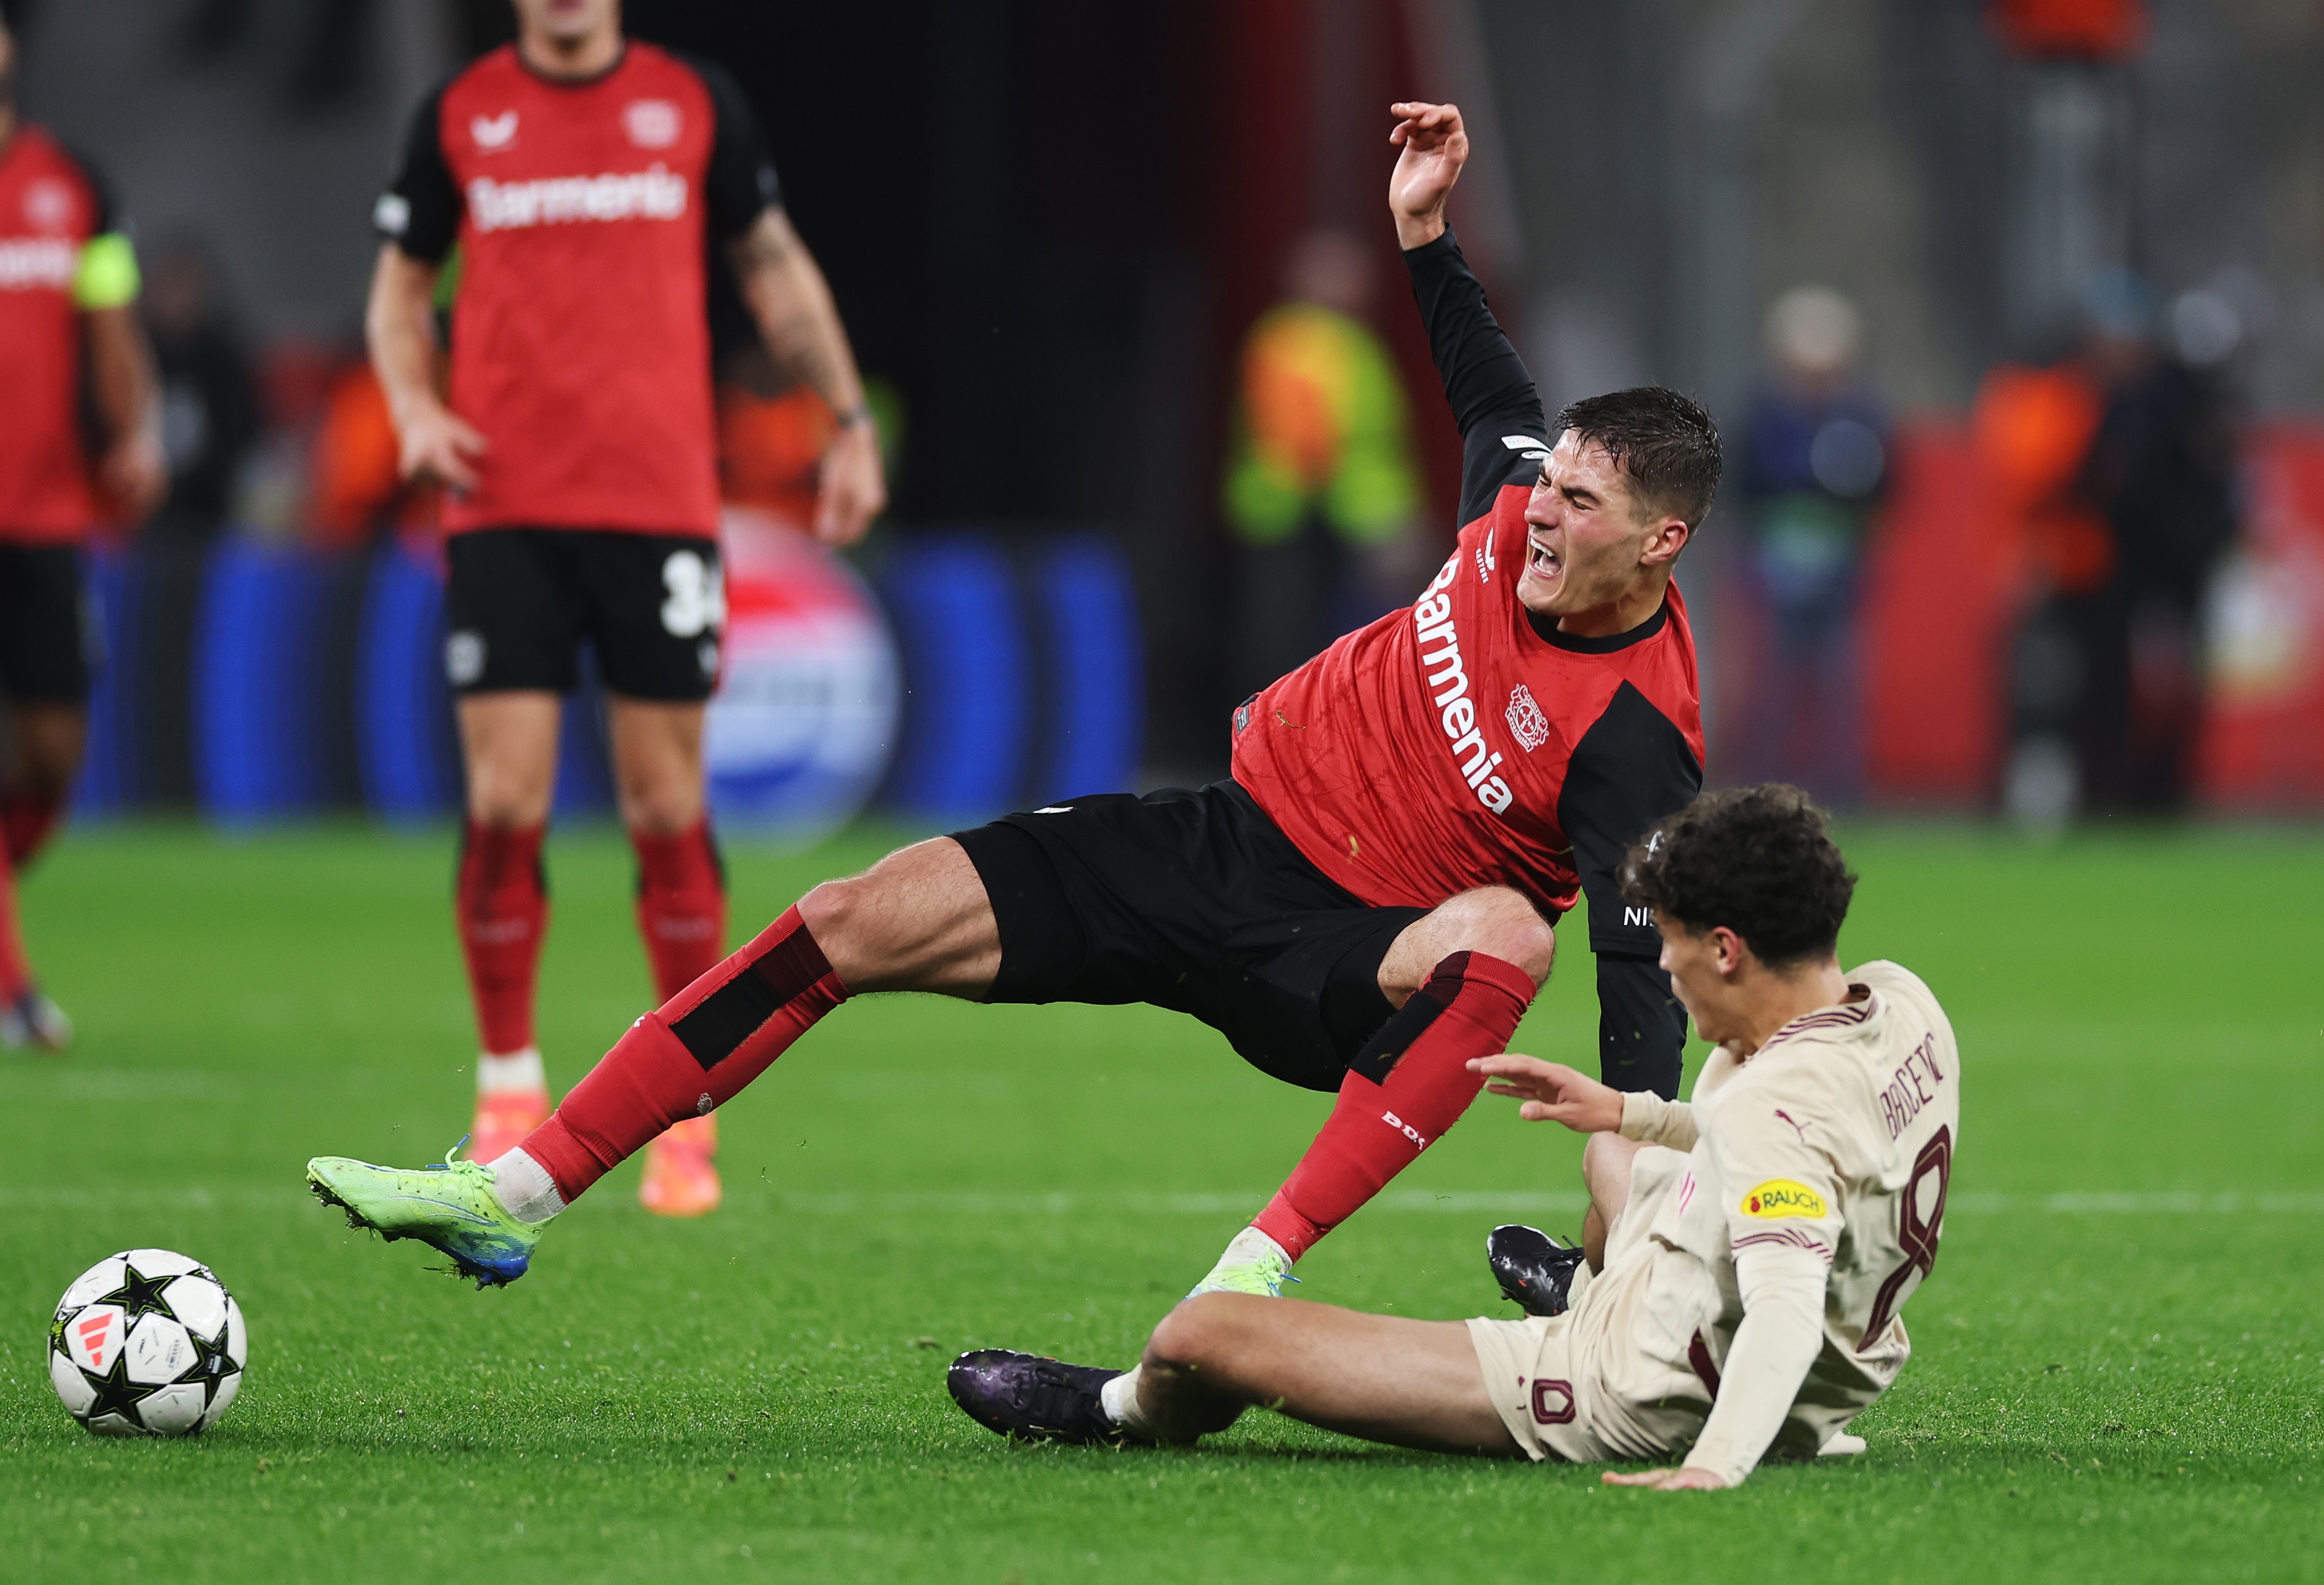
1252,1264
451,1207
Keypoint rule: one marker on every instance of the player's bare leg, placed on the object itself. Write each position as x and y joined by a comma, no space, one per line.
681,908
508,742
1460,978
1383,1377
1606,1164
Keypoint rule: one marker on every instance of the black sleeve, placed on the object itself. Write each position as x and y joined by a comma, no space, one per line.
420,212
1631,768
740,184
1503,431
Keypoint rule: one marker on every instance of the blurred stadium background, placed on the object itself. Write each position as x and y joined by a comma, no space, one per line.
2014,314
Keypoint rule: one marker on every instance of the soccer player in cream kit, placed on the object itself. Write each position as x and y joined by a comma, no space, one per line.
1363,909
1750,1252
583,177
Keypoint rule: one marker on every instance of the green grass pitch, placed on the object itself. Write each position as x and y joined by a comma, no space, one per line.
2117,1371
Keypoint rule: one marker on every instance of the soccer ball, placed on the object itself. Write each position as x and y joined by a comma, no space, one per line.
147,1343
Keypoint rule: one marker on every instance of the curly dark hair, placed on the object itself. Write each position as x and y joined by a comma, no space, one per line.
1661,438
1758,860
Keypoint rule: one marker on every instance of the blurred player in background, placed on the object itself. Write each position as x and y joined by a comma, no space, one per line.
1362,910
68,295
583,177
1750,1253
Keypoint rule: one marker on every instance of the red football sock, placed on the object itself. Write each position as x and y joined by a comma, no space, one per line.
1402,1091
503,910
15,970
26,822
691,1056
681,905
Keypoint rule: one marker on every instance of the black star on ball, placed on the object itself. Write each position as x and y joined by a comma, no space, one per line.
116,1393
139,1295
210,1367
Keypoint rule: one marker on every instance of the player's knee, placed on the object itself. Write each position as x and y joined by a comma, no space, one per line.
1496,921
832,912
1192,1336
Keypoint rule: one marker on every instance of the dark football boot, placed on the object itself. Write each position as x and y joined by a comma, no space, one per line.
1534,1270
1032,1397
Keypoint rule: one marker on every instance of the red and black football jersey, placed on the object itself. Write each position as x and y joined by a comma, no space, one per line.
580,334
50,207
1463,741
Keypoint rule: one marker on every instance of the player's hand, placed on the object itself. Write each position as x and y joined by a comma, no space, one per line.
1553,1093
136,474
436,443
853,489
1436,146
1685,1478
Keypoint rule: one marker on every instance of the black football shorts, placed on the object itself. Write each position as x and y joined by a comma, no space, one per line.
1195,901
50,641
521,601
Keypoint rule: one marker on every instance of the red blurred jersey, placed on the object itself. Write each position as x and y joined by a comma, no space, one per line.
49,209
1434,752
580,336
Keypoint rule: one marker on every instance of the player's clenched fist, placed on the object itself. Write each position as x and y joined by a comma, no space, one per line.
1553,1093
1436,147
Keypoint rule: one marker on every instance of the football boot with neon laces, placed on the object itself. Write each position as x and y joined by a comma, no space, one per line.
1033,1398
450,1207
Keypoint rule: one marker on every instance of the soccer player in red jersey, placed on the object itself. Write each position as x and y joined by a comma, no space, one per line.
583,178
68,287
1363,909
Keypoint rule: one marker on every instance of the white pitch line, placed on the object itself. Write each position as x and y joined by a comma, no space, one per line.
984,1203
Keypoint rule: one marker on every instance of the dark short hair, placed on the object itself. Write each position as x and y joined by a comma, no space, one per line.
1664,441
1758,860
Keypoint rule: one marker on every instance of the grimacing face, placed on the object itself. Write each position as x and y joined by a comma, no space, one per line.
1585,533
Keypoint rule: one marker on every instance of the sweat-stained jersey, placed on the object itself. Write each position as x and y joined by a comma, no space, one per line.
580,336
1463,743
51,211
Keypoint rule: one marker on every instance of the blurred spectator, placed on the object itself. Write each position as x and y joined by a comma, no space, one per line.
354,491
772,433
296,377
1322,489
2161,467
1815,463
210,406
2114,470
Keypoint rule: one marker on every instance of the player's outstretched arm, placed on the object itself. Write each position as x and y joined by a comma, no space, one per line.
798,321
1553,1093
1491,395
400,324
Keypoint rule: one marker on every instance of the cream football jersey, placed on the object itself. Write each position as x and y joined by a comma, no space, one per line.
1836,1138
